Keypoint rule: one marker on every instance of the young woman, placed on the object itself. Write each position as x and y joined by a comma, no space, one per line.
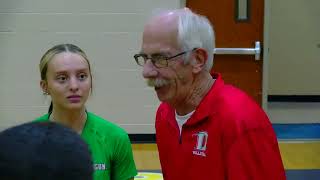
66,77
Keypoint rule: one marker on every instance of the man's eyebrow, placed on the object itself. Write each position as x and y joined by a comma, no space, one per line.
156,53
162,53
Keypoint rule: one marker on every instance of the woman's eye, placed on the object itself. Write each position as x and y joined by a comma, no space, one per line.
83,76
61,78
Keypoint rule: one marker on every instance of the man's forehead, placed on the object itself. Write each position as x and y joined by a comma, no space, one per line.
168,17
160,39
160,34
156,49
166,20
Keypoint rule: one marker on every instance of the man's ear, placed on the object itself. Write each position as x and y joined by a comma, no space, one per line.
200,58
44,86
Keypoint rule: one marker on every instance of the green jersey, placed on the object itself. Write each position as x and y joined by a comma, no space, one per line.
110,148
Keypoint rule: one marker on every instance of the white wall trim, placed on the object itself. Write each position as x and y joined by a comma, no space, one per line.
265,46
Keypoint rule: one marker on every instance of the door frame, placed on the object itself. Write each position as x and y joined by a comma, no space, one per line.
265,53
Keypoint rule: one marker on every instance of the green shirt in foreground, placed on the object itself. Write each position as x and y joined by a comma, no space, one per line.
110,148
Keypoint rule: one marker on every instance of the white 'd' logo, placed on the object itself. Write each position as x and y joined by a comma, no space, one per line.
201,146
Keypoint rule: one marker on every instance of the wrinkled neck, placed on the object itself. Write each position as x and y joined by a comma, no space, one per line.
199,89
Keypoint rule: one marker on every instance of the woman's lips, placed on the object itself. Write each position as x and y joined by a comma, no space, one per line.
74,98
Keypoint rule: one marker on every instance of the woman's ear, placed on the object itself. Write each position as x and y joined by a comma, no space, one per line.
44,87
200,59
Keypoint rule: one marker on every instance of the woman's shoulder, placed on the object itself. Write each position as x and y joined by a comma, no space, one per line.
104,126
43,118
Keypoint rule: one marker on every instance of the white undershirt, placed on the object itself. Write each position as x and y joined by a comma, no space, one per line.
181,120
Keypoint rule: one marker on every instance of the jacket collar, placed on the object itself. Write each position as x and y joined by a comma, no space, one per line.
206,106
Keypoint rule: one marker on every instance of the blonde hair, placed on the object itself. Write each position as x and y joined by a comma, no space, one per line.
60,48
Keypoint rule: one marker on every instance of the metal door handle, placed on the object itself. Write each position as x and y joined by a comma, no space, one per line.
242,51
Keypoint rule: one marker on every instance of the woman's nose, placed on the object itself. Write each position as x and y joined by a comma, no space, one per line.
74,84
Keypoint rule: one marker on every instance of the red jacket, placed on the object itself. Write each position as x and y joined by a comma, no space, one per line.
228,137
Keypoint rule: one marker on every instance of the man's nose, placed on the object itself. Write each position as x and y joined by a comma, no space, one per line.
149,70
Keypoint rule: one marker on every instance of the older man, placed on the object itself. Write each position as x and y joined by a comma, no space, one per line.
205,128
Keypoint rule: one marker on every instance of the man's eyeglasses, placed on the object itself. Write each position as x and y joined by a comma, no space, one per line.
158,60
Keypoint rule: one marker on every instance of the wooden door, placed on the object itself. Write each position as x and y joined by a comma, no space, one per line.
243,71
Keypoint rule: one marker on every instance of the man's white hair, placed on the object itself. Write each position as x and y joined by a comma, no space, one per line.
194,31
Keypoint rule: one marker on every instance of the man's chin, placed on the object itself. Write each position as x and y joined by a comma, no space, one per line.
159,89
160,98
161,93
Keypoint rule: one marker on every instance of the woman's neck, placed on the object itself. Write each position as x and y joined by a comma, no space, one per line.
72,119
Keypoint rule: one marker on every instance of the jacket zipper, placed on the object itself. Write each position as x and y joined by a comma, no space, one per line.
180,137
